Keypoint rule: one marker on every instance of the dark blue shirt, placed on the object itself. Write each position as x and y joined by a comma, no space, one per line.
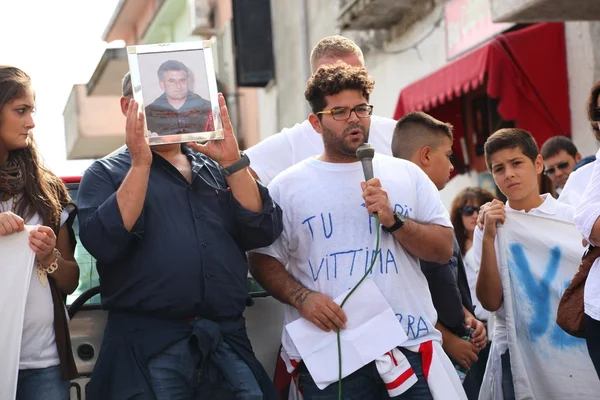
185,256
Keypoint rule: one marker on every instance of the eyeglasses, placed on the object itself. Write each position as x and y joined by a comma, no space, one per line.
343,113
467,211
552,170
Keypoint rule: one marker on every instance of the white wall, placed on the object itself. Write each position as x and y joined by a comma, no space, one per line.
394,71
581,66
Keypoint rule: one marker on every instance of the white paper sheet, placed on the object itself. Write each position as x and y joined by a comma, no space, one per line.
16,266
372,330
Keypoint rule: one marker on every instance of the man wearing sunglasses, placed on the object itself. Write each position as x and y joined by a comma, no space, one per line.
560,157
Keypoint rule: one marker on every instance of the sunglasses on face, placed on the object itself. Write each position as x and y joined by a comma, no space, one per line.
562,166
467,211
597,114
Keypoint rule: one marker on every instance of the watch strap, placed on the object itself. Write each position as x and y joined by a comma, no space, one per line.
240,164
397,225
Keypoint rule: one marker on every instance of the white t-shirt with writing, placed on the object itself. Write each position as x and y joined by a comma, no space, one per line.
328,238
550,208
38,342
292,145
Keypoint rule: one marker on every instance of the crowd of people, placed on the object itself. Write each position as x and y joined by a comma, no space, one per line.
176,228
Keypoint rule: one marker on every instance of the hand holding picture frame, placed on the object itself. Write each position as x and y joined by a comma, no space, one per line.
176,87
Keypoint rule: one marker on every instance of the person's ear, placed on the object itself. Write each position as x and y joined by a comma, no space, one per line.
315,122
539,164
162,85
124,101
577,157
425,156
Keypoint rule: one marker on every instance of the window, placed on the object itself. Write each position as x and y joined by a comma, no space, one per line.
88,275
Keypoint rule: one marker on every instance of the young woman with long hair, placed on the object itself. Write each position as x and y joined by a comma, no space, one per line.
32,195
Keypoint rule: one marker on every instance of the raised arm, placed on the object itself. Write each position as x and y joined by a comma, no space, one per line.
489,285
429,242
110,217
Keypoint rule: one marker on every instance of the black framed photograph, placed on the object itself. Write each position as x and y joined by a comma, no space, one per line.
176,87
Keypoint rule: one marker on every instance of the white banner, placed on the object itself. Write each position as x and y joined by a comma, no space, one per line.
540,258
16,266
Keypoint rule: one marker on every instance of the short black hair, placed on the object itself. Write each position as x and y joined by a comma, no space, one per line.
416,130
171,65
510,138
556,144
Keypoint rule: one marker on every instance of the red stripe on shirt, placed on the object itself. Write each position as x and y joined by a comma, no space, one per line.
400,380
426,350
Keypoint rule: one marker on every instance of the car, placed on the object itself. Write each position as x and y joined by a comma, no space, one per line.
264,316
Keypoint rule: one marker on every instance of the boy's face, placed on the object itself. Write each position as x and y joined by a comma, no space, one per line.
441,166
515,174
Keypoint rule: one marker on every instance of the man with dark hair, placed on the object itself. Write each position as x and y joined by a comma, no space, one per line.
178,110
329,238
560,158
169,226
292,145
427,142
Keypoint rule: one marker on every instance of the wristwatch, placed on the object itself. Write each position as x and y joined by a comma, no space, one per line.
399,218
240,164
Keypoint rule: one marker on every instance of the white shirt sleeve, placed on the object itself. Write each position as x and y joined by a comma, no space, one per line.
64,215
477,247
280,248
430,209
588,210
271,156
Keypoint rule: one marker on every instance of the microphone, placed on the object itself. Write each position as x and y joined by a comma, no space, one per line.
365,154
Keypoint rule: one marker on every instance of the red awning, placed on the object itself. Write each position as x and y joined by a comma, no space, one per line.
526,71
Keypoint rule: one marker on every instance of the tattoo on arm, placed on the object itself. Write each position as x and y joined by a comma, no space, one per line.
300,294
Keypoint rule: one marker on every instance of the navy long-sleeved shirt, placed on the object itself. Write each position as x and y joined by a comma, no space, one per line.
185,256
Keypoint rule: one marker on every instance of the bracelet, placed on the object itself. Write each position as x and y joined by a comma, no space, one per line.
53,266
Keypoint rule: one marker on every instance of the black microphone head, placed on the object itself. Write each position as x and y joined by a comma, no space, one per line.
365,150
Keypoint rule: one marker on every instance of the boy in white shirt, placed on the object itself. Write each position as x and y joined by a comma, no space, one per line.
513,158
329,236
292,145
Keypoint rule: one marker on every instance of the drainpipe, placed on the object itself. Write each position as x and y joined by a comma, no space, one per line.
304,48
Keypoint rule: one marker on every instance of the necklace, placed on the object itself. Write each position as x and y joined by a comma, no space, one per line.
14,204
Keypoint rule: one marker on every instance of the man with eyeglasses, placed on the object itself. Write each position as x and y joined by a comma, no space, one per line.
560,157
329,236
292,145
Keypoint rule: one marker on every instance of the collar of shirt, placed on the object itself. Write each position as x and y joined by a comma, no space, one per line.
548,207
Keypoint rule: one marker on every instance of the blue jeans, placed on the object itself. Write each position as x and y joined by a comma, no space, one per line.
366,384
508,387
42,383
174,373
592,339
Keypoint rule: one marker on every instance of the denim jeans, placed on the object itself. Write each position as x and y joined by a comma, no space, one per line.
592,339
366,384
174,373
42,383
508,387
